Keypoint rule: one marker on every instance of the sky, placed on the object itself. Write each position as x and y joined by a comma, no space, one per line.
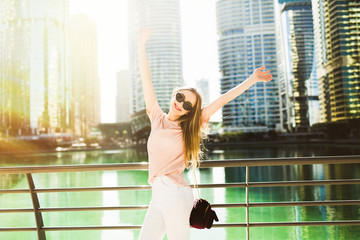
199,45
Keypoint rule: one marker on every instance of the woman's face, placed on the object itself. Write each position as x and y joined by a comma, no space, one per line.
178,107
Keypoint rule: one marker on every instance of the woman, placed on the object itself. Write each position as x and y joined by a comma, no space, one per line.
174,143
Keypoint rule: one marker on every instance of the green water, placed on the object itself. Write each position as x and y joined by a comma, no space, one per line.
217,195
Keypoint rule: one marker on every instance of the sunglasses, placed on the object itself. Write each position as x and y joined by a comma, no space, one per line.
181,98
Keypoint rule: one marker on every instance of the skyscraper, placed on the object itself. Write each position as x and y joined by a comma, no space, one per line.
203,85
123,96
298,91
337,34
85,105
163,48
247,41
35,87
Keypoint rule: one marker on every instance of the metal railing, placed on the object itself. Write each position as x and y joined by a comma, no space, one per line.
41,228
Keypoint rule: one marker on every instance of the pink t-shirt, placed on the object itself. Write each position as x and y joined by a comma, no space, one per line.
165,147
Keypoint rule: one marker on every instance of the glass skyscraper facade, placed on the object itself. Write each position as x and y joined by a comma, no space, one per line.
85,104
247,40
162,17
123,96
299,91
35,83
337,34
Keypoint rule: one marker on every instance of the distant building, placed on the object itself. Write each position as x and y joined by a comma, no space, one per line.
298,82
247,40
123,97
203,86
337,33
85,104
312,92
35,86
163,49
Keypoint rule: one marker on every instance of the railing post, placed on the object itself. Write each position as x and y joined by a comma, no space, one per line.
36,206
247,204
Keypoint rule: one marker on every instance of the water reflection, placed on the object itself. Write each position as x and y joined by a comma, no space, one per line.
140,154
275,150
110,199
216,195
8,181
71,158
301,193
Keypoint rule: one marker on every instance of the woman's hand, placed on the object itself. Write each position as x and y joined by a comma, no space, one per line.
144,35
260,76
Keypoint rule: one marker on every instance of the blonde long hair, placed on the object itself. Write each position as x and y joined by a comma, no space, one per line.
191,129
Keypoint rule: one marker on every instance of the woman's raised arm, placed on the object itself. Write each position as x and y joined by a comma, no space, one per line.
257,76
145,73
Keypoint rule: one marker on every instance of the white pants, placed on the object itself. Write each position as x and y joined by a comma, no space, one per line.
169,211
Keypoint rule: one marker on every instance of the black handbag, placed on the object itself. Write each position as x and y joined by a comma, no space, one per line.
202,216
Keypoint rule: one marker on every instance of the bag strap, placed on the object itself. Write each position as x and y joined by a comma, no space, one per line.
196,184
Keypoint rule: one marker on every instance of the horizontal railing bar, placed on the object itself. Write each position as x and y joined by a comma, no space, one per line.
218,205
305,203
306,223
229,225
143,187
220,185
72,209
288,204
269,224
258,162
89,189
210,185
75,168
16,210
17,229
2,191
228,205
133,227
203,164
305,183
259,224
